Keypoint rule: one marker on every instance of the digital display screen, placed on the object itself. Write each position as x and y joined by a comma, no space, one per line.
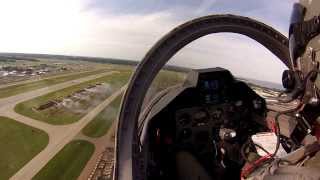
210,90
211,85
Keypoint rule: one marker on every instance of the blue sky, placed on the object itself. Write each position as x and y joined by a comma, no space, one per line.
274,11
128,28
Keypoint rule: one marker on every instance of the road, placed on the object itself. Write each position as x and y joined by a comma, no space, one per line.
59,135
7,104
100,143
13,100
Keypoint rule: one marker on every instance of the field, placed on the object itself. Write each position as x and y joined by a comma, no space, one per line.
103,121
100,125
68,163
19,143
117,80
22,88
164,80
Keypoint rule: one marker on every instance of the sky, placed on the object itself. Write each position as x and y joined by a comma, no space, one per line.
127,29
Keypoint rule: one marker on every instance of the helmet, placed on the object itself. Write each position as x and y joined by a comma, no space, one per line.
304,32
304,47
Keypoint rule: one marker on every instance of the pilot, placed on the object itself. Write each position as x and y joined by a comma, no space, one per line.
302,82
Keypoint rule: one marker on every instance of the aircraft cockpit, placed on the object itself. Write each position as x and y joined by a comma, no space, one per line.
214,126
202,127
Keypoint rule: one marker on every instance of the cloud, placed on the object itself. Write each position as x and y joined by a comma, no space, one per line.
143,7
127,29
241,55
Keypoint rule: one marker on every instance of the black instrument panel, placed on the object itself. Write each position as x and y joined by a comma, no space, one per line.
218,102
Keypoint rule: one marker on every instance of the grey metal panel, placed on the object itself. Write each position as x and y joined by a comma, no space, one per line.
156,108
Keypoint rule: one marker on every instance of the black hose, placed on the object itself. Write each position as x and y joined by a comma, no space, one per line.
262,148
243,153
277,132
278,128
247,143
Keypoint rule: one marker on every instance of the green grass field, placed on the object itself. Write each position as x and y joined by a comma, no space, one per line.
117,80
21,88
100,125
68,163
162,81
166,79
19,143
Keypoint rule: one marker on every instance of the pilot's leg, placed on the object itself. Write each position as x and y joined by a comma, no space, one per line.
189,168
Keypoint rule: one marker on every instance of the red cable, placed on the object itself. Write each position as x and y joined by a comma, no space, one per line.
250,167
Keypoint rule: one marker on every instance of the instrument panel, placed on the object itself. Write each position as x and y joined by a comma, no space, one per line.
224,111
203,123
198,119
194,127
